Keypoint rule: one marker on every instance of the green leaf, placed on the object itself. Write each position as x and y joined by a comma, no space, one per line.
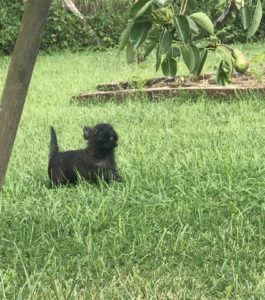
165,42
183,28
158,60
193,27
245,15
169,66
222,74
200,65
193,58
227,57
130,53
125,35
139,33
149,48
197,57
256,20
139,8
188,57
175,52
203,21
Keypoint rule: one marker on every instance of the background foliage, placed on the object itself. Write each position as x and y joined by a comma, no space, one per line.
65,30
104,21
232,31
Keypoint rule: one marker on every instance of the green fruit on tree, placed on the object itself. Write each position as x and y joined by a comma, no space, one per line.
241,62
163,15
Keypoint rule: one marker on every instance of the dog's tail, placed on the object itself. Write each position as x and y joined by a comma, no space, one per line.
54,148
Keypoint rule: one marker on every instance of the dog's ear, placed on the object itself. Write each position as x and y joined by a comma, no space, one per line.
86,132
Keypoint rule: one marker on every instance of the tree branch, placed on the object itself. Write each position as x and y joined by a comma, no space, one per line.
69,5
225,15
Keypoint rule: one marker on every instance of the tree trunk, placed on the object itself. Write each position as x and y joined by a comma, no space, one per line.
19,76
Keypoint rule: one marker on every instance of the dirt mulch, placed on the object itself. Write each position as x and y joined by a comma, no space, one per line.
156,88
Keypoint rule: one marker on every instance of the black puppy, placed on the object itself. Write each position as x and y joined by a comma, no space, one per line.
95,161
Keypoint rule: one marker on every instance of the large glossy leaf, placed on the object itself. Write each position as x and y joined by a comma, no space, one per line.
139,8
169,66
188,57
125,35
203,21
183,28
139,33
256,20
197,57
245,15
194,58
165,42
201,63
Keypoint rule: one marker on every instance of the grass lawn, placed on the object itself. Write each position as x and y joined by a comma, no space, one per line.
187,223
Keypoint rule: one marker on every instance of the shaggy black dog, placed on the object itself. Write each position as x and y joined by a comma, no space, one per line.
95,162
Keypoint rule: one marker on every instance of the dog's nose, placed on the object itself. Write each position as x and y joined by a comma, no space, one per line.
111,138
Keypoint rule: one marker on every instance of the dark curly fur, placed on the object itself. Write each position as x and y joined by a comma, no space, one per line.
95,161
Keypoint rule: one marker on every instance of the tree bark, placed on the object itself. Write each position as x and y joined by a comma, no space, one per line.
19,76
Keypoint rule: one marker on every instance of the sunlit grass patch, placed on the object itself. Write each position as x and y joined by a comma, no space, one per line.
187,223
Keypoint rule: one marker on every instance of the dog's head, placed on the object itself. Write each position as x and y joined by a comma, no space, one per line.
102,136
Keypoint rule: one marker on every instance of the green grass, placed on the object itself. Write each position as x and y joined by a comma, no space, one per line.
187,223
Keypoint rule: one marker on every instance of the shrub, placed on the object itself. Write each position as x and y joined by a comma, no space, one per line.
231,32
10,17
100,29
106,18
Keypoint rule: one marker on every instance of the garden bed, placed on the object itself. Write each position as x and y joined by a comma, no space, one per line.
156,88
